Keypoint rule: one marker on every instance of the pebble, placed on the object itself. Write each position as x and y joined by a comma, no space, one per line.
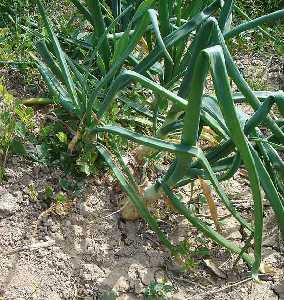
160,276
53,228
46,238
138,286
60,265
122,284
49,222
147,277
8,203
91,272
67,223
78,231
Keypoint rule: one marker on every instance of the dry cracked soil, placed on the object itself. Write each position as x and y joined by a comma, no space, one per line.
82,250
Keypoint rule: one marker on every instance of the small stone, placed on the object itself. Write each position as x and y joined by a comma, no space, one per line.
78,231
53,228
174,267
91,272
87,277
8,203
146,277
49,222
138,287
121,285
60,265
46,238
68,224
160,276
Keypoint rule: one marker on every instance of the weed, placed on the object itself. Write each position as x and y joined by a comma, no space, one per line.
60,198
158,291
73,187
187,254
269,38
258,8
48,195
32,192
16,120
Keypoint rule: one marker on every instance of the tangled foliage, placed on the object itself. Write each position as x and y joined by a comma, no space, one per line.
149,62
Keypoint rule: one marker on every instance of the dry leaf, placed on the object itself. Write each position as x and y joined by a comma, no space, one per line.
211,203
73,143
169,204
266,269
128,211
243,173
212,267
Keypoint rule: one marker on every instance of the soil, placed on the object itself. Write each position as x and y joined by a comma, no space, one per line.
22,84
92,251
263,72
81,249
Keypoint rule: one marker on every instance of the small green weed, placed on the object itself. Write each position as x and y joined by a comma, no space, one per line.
258,41
48,146
60,198
52,149
72,187
69,190
16,121
187,254
158,291
259,7
32,192
48,195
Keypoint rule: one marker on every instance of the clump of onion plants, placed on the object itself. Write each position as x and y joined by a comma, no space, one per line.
165,51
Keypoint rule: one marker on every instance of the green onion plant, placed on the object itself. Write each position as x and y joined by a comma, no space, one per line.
168,49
